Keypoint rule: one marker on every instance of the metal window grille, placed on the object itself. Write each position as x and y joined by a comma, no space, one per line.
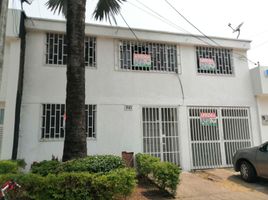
222,58
91,121
53,122
56,50
214,144
160,133
163,56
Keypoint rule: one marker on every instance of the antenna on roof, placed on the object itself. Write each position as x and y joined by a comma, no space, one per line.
237,29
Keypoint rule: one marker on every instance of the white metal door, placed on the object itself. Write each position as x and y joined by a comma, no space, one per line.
216,133
160,133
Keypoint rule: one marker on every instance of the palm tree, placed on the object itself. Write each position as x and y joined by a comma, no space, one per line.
75,143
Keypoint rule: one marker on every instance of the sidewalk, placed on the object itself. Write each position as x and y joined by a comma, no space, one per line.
219,184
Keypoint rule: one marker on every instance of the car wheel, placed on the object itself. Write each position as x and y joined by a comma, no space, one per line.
247,172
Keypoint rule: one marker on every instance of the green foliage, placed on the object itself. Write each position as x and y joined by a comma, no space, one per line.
164,174
32,186
93,164
73,186
11,166
45,167
145,163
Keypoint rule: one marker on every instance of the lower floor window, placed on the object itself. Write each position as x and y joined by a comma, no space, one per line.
53,121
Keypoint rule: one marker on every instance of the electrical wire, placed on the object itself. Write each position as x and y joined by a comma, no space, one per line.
259,45
167,21
129,27
217,44
133,32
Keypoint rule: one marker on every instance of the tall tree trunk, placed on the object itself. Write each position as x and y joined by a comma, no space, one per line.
3,20
75,143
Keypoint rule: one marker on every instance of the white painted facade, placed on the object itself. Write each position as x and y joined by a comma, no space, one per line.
8,86
111,88
259,78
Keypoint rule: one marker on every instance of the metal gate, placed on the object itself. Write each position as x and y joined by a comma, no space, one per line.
160,133
216,133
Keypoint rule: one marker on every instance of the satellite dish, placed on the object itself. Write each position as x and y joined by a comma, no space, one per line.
237,29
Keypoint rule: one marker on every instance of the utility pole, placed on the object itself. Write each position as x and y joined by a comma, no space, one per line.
3,21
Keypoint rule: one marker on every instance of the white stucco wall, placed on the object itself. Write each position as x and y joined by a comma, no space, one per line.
110,88
262,102
8,94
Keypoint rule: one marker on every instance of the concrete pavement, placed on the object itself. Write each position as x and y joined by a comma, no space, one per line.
219,184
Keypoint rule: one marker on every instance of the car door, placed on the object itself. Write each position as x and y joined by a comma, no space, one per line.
262,160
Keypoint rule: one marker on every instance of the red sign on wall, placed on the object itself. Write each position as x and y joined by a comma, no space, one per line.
141,60
207,64
208,119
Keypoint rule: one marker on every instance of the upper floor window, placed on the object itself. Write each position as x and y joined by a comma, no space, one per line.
214,60
53,121
56,50
146,56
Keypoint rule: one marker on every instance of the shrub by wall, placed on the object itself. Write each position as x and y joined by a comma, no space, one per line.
73,186
93,164
45,167
11,166
145,163
164,174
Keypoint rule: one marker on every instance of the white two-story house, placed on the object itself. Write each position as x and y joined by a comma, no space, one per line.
176,96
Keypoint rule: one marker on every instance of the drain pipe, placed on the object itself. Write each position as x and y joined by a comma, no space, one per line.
22,36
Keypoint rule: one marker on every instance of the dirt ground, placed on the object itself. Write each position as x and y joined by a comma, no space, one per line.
146,190
214,184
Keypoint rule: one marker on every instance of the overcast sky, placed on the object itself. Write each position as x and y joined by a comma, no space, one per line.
210,16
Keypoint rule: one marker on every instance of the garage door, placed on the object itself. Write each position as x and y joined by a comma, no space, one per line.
160,133
216,133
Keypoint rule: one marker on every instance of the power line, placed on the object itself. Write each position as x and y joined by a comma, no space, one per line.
167,21
133,32
129,26
189,22
217,44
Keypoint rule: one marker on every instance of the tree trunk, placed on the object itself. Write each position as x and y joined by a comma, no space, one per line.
75,143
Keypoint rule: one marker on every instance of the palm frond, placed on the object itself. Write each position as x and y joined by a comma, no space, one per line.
107,9
60,5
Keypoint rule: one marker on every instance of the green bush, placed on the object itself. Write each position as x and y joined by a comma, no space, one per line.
93,164
164,174
73,186
145,163
11,166
45,167
31,186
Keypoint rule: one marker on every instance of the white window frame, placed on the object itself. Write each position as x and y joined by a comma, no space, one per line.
149,48
61,62
222,57
59,130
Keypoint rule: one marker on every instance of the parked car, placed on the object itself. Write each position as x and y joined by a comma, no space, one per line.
252,162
